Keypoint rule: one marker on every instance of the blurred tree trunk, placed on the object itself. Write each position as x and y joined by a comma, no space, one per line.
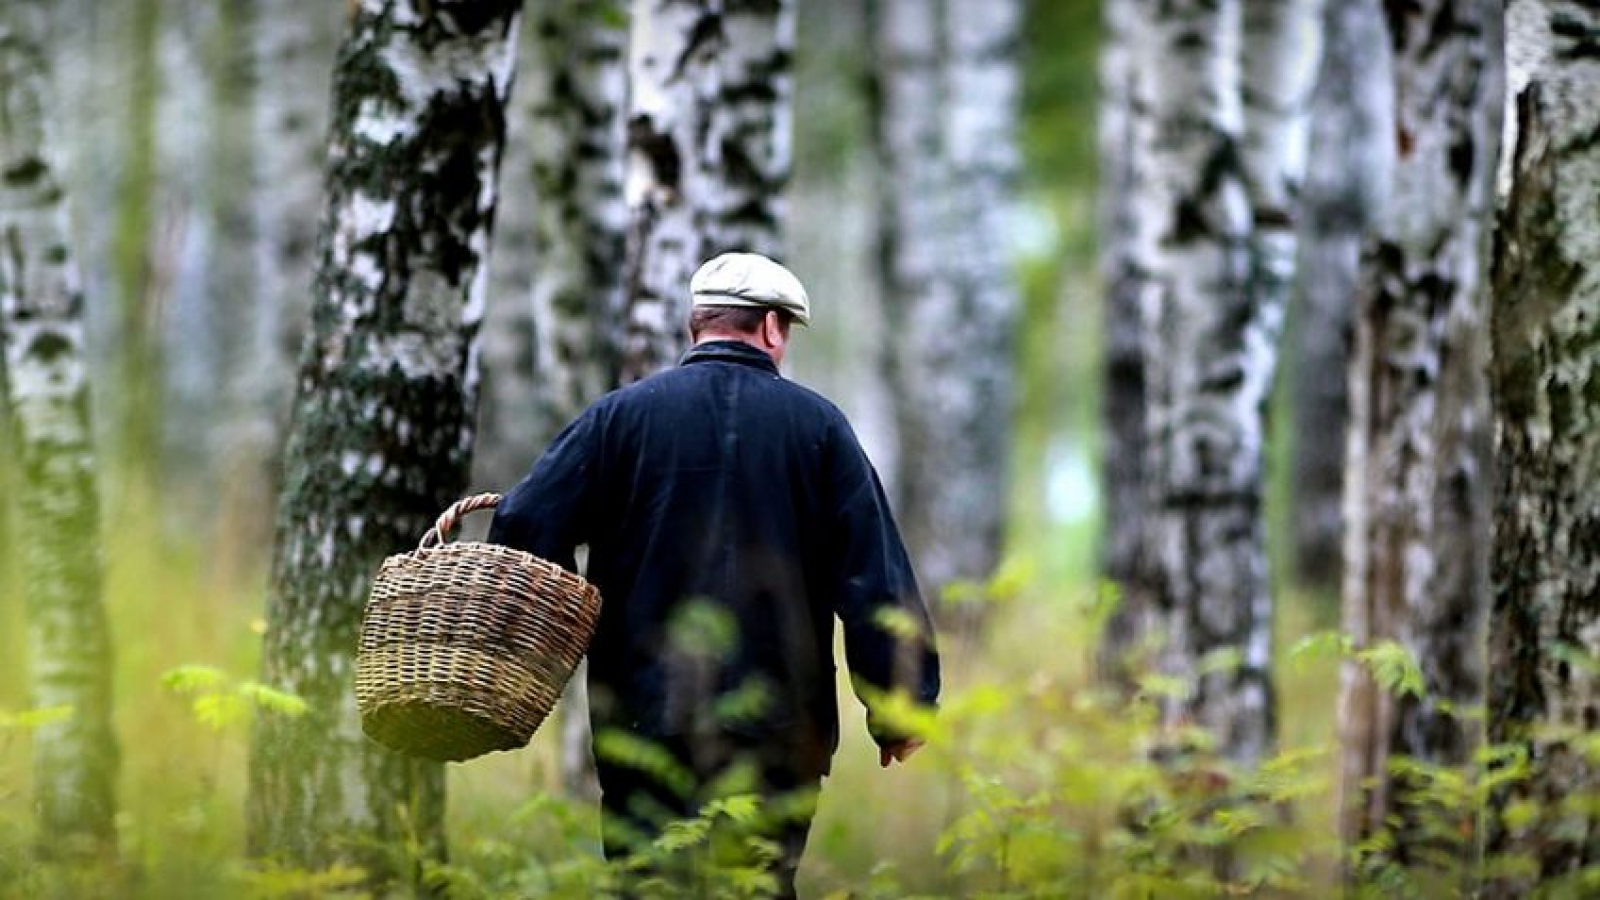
55,501
1350,154
550,358
383,416
186,246
709,154
562,231
1544,683
1417,528
579,236
138,378
291,51
1222,146
271,100
1125,268
947,90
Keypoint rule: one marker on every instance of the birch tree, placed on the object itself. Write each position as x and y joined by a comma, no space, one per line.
1350,154
555,338
1544,685
137,410
1416,507
709,153
947,89
1222,145
1124,267
384,406
44,370
290,52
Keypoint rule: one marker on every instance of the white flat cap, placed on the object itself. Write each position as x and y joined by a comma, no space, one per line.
750,279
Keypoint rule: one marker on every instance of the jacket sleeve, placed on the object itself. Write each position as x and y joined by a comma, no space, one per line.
888,635
548,512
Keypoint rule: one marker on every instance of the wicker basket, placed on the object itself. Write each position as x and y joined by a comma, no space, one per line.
465,647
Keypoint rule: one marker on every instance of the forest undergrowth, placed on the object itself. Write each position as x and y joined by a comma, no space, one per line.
1036,783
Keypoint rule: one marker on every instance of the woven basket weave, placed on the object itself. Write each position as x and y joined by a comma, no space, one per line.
466,647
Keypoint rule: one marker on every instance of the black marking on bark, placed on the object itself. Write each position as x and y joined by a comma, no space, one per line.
26,171
658,149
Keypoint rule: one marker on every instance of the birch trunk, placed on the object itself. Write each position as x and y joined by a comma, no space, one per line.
290,49
553,350
1416,494
709,154
45,369
1279,55
1210,351
137,406
1124,267
1544,687
1347,177
947,92
186,247
384,408
551,357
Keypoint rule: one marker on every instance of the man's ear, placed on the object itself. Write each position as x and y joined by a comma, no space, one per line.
772,328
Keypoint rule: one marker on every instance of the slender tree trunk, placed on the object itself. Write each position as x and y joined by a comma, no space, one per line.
1347,176
1124,268
137,405
1417,482
1210,352
55,501
580,233
383,414
291,52
186,247
551,357
1544,686
709,153
947,91
562,231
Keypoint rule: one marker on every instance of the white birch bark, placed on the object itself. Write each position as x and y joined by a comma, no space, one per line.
185,246
553,338
1124,269
709,154
45,373
1544,686
384,407
137,402
291,52
1347,177
1416,488
560,236
1210,354
948,89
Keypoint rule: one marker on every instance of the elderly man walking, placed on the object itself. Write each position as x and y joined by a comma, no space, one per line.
731,516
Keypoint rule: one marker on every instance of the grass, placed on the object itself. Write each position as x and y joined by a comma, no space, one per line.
1030,746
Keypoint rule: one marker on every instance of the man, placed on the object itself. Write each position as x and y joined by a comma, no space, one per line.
730,516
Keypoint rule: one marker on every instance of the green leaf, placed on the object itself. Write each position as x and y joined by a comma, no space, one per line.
273,700
1320,645
189,679
32,719
1394,668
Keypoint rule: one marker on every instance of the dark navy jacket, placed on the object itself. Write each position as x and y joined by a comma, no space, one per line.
730,515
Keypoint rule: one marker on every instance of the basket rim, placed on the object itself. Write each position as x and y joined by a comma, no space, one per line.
455,548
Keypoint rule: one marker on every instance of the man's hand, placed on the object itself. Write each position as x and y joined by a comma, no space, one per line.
899,751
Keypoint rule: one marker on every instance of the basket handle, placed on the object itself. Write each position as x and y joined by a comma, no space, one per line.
441,529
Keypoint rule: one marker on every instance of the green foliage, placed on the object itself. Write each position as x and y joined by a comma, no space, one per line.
1037,782
31,719
220,702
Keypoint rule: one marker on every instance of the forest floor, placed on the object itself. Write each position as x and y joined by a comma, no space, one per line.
1027,783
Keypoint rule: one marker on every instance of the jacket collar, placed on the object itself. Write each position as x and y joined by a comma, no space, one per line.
730,351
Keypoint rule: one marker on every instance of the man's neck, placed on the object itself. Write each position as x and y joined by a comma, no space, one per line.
707,337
